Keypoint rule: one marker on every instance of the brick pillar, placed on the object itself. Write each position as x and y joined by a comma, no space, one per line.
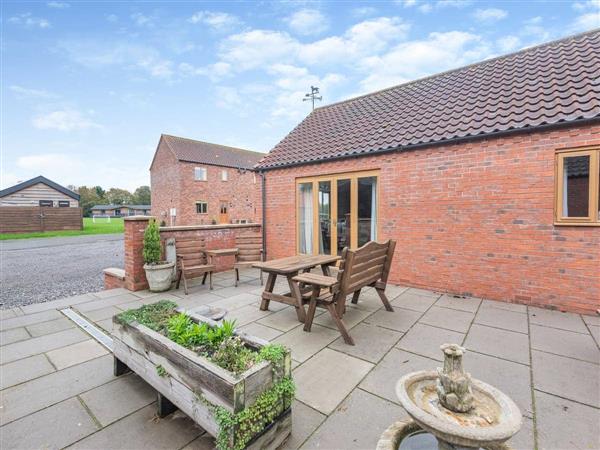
135,276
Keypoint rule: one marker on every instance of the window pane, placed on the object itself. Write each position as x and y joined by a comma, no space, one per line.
200,173
367,210
305,218
343,215
325,217
576,186
598,205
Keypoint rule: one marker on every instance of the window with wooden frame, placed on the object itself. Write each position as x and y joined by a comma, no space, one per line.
200,173
578,187
64,203
201,207
224,175
336,211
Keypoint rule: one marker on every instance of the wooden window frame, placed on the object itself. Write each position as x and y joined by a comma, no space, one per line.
205,207
64,203
334,177
593,218
205,173
224,175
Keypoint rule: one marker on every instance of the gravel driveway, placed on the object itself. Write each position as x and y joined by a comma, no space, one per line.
39,270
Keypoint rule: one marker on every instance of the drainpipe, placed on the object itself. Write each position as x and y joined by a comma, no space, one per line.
264,213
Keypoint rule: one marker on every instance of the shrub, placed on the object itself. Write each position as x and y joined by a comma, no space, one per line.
152,243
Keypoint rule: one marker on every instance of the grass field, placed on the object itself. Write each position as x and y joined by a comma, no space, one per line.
89,227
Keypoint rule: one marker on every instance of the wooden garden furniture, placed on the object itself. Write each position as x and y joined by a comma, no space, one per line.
368,265
191,262
249,253
290,267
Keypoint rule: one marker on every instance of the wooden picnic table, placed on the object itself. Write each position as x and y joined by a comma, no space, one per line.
290,267
211,254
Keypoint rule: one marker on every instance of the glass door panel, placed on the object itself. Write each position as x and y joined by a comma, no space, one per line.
324,217
305,218
367,210
343,215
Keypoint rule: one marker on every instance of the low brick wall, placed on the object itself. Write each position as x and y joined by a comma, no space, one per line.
215,237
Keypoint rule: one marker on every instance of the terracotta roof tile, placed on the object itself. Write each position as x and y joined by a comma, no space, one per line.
207,153
552,83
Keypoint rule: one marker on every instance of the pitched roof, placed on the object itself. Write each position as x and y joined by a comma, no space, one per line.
190,150
549,84
121,206
36,180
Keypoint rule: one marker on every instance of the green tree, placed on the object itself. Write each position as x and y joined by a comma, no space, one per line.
151,252
88,197
141,196
116,196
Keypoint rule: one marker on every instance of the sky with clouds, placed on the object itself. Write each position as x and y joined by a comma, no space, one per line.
88,87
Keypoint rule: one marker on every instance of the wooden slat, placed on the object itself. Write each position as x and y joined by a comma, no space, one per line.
19,219
316,279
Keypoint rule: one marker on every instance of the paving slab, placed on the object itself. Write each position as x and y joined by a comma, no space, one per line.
7,313
76,353
500,343
52,326
562,424
23,370
233,291
595,332
104,302
372,342
557,319
52,428
285,319
261,331
303,344
450,319
237,301
511,378
514,307
31,396
413,301
399,320
502,318
352,317
13,335
58,304
324,381
381,381
423,292
203,442
468,304
34,346
566,377
524,439
591,320
392,291
246,314
107,293
104,313
106,325
565,343
29,319
196,300
119,398
425,340
356,424
305,421
145,430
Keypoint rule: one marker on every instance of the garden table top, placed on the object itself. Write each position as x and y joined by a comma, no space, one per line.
294,264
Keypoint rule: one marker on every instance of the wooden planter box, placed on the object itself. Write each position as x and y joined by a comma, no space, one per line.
195,385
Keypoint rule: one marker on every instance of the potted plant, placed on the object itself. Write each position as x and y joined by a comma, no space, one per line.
235,386
158,272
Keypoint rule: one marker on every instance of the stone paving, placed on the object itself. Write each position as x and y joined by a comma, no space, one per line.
58,389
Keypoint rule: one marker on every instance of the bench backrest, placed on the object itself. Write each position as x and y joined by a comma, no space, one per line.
365,265
249,247
191,251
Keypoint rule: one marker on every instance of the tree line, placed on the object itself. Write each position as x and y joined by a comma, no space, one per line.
96,195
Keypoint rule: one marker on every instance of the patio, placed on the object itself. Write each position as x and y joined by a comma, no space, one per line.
58,389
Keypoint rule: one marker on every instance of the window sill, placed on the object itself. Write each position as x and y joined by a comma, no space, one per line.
577,224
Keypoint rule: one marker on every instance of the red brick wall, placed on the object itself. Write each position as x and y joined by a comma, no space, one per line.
174,186
135,276
473,218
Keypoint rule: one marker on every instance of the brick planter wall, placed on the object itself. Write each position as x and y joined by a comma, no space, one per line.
216,237
473,218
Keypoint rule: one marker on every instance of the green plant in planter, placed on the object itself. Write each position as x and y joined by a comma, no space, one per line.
152,249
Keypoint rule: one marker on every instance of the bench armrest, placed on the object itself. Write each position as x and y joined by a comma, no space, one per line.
316,280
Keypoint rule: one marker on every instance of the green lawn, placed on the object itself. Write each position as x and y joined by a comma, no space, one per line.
100,227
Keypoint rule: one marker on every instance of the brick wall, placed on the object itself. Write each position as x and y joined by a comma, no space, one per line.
135,276
173,186
473,218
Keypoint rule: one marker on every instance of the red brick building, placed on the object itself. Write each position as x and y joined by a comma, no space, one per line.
197,183
487,176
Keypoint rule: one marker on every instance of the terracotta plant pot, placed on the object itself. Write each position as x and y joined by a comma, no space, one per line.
159,276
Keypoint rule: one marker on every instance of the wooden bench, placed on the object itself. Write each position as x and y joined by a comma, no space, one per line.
191,262
368,265
249,252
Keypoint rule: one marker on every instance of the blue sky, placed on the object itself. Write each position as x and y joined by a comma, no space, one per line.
87,87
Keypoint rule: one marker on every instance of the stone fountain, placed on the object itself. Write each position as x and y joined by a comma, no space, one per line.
451,411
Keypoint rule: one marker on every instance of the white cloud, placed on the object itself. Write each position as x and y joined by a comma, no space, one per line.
415,59
217,20
215,72
23,92
58,5
29,21
308,22
586,5
112,18
142,20
587,21
64,120
228,97
407,3
490,15
453,3
255,48
508,43
364,11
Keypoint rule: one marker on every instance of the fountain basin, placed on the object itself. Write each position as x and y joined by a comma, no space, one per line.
493,419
